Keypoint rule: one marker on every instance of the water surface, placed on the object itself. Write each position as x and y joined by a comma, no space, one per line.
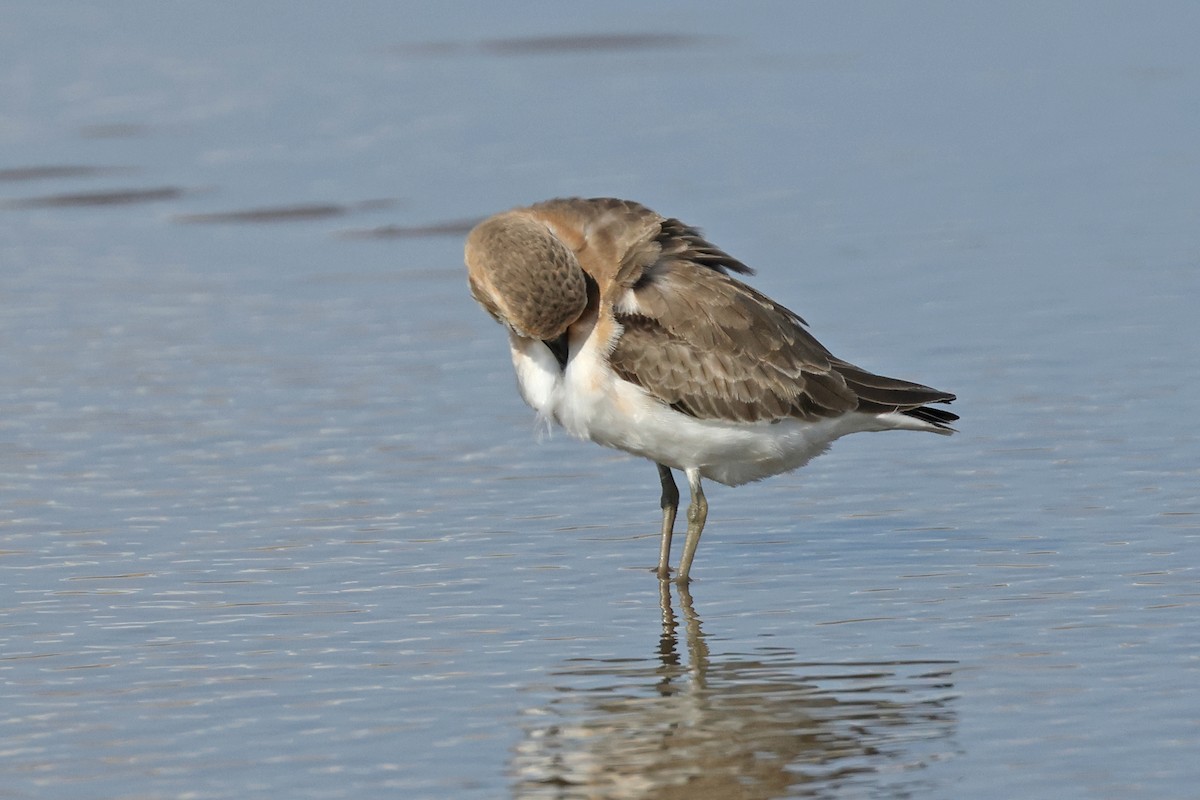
273,519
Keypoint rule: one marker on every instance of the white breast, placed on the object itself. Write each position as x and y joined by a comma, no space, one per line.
538,375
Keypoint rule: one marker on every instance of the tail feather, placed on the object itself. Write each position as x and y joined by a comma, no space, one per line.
880,394
935,416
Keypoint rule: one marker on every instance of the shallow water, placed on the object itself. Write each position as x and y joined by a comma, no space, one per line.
273,519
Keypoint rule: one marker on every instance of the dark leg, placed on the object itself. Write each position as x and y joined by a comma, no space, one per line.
670,505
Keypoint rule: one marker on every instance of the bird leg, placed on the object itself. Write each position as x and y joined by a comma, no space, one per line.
670,505
697,513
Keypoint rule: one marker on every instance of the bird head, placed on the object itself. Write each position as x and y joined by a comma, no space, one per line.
524,276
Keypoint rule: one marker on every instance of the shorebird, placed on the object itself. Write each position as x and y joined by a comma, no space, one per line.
629,329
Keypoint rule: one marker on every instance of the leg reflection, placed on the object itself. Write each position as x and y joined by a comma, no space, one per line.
752,721
668,647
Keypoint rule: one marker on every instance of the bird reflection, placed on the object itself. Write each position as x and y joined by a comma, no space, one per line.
690,724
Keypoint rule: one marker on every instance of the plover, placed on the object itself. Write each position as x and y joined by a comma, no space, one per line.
628,328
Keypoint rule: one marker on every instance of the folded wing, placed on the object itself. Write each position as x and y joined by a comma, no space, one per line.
714,348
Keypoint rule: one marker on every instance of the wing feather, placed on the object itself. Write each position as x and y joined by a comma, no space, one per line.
710,346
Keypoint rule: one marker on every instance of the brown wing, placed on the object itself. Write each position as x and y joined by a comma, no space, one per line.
714,348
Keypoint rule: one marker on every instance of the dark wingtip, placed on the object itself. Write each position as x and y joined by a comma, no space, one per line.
938,417
700,250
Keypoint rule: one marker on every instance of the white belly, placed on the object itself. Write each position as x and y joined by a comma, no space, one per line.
592,402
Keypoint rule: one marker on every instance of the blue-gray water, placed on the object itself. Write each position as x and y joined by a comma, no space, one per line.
273,519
